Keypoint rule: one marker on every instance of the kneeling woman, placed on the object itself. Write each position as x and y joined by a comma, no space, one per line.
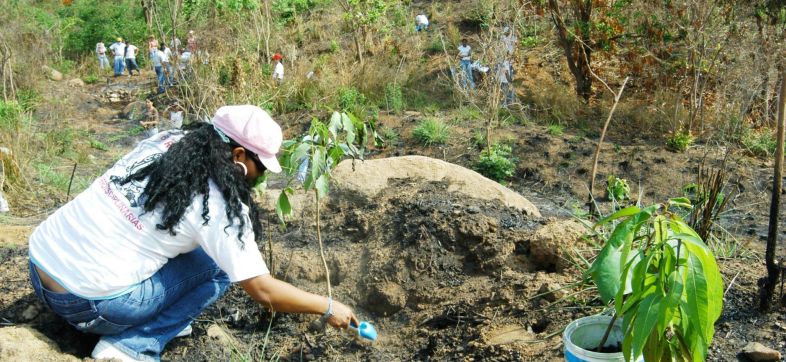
161,235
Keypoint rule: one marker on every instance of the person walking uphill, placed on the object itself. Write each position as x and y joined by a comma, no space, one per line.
160,236
103,62
130,56
278,69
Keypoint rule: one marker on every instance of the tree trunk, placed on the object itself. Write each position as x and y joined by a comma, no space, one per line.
773,269
576,44
147,7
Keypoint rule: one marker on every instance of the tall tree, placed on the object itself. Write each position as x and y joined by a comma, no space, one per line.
576,42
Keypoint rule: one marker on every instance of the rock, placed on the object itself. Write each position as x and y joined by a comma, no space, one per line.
23,343
31,312
223,337
386,298
551,245
551,291
52,74
757,352
76,83
364,180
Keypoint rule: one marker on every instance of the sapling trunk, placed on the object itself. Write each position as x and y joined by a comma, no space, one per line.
773,270
607,333
322,250
600,142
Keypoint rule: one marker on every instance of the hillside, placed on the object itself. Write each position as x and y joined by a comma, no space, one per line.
445,266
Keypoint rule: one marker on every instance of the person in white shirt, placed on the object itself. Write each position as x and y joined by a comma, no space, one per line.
118,50
130,57
157,61
278,69
161,235
103,62
166,60
421,22
465,56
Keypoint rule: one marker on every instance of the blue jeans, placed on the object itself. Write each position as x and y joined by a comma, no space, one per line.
421,27
170,72
160,75
103,62
119,66
131,65
142,321
466,66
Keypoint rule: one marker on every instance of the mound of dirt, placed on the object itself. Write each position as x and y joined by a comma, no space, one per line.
23,343
367,178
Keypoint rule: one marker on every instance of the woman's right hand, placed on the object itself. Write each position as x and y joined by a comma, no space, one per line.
342,316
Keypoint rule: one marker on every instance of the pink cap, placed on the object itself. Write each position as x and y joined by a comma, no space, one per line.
252,128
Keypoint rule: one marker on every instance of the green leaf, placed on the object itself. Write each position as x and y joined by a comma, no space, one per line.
696,299
335,124
283,207
322,186
705,264
318,162
628,211
349,128
680,202
647,318
300,153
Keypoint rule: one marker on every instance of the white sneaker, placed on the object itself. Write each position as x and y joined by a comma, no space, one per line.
105,350
185,332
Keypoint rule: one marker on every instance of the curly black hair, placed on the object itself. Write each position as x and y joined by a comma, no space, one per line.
182,173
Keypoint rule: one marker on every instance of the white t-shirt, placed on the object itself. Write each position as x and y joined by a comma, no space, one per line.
464,51
156,57
185,58
100,49
278,71
118,49
421,20
101,244
166,55
131,51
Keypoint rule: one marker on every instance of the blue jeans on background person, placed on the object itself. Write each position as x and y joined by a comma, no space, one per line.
170,70
103,62
142,321
132,66
421,27
119,66
466,66
160,76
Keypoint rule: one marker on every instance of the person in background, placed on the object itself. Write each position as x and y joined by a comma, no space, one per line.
160,236
152,45
184,64
191,42
130,57
103,62
421,22
278,69
465,56
505,83
119,49
175,44
166,60
509,41
156,60
150,122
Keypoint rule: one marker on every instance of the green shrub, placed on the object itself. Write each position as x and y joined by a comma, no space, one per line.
90,78
288,9
432,132
390,135
497,163
98,145
617,188
436,45
28,99
680,141
555,130
530,41
10,115
394,98
761,143
351,100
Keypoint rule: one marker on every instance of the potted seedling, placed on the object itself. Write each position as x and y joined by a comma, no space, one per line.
665,287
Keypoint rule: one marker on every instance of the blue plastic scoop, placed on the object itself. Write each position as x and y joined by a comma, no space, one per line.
365,330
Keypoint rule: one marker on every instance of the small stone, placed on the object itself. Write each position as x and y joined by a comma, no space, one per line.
31,312
76,83
473,210
757,352
551,291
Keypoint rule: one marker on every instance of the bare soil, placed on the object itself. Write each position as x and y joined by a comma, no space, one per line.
441,275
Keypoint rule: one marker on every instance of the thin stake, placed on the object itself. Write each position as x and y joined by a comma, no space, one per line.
70,181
